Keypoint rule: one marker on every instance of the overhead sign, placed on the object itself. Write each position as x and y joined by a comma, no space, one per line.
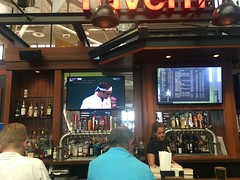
149,4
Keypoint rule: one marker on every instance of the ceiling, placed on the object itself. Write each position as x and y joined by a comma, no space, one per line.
52,23
55,23
53,34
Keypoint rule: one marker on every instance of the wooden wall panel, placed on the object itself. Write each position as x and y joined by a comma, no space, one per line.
232,138
7,98
57,111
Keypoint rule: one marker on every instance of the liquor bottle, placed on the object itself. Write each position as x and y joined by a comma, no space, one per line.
179,145
17,111
25,93
41,110
195,144
49,109
85,149
23,109
141,149
55,153
173,144
136,151
35,110
90,147
30,110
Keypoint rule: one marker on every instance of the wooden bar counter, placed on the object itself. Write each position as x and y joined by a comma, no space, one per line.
203,167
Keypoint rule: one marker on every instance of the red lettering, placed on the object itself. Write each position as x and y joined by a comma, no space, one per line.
187,4
116,4
132,4
86,4
171,4
201,4
150,6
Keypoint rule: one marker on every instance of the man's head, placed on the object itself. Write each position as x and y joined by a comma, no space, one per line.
13,137
121,137
104,90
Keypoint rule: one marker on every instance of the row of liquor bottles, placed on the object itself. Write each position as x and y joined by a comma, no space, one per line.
33,109
39,144
190,142
79,146
184,119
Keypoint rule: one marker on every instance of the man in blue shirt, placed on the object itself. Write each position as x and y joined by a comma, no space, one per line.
118,163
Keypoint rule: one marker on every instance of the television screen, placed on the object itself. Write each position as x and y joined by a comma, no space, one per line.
95,93
189,85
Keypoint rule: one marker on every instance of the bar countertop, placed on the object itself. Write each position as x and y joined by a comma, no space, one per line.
69,161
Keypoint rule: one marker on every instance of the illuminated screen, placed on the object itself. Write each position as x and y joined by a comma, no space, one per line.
88,93
189,85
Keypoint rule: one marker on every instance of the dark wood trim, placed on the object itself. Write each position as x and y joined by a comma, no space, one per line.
57,104
7,100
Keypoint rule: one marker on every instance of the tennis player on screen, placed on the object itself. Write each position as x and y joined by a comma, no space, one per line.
101,99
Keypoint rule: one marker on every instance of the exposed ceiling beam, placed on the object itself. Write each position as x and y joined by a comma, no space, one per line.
11,36
138,16
80,32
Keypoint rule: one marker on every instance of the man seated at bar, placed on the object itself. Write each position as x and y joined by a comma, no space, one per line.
118,163
13,165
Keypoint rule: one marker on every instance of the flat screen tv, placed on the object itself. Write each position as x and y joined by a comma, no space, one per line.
95,93
189,85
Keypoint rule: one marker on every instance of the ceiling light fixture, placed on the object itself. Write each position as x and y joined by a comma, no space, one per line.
38,34
105,16
226,14
216,55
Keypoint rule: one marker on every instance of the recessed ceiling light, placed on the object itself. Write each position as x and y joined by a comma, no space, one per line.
168,57
66,36
216,55
38,34
37,71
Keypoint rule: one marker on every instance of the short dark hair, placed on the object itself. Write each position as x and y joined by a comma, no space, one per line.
120,136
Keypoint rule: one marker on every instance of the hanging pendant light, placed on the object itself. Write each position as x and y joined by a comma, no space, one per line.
105,16
23,3
226,14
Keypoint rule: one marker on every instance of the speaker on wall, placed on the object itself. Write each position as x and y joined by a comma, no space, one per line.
31,55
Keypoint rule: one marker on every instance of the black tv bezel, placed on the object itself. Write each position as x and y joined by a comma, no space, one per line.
102,109
189,103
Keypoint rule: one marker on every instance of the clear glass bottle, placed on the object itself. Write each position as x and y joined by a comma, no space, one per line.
23,109
30,110
49,109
